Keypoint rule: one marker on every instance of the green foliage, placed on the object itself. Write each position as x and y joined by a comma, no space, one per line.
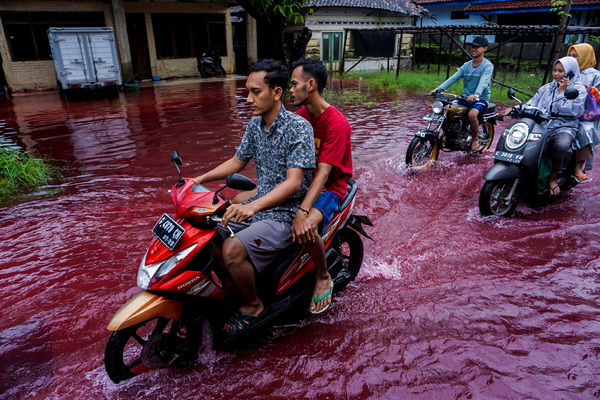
559,6
21,171
593,39
288,9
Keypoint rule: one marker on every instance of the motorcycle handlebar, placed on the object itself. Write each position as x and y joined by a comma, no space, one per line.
564,116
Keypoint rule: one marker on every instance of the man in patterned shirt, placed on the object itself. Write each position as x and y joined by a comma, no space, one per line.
282,146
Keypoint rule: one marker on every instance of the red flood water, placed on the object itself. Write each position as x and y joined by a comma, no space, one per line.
448,304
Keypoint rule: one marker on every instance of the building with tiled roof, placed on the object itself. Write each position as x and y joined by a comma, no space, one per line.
525,12
525,6
331,21
407,7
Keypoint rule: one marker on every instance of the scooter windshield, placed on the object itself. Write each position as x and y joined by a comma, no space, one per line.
197,188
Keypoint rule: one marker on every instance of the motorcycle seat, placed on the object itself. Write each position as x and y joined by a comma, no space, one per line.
491,108
350,193
268,278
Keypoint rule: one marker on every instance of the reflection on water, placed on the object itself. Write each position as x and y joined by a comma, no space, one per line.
448,304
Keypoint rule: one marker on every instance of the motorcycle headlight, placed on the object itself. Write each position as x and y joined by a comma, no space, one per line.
146,273
517,135
437,107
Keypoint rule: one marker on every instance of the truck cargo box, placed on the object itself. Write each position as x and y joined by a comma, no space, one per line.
85,58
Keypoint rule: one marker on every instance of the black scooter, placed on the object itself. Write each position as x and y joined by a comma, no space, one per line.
210,65
521,170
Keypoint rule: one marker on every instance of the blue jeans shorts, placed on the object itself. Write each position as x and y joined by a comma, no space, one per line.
480,105
328,203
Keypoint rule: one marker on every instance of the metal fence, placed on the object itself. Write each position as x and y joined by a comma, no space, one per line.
514,46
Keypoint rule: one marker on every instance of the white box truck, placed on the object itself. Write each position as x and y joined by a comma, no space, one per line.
85,59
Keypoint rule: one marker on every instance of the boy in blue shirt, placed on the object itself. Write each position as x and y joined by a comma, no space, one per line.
477,79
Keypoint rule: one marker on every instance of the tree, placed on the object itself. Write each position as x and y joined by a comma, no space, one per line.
565,14
273,16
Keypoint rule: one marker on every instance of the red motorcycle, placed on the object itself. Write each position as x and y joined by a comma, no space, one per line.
181,282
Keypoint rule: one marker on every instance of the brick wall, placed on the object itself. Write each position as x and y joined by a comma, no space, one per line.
32,76
39,75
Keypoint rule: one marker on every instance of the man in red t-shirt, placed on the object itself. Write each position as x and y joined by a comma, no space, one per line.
334,168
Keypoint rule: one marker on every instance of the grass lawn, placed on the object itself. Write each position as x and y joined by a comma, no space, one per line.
423,81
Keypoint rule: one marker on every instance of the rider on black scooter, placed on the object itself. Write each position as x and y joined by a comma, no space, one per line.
550,98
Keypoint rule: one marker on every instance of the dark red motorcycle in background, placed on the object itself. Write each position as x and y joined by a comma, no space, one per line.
181,282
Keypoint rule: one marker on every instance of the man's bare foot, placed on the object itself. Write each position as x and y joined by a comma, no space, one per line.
322,295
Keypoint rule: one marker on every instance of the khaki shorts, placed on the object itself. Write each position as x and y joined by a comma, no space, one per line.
263,240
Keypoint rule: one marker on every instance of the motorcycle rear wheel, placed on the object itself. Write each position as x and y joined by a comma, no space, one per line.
207,71
486,136
350,247
139,348
421,153
492,198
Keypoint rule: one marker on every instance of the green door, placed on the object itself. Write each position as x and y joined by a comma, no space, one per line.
332,50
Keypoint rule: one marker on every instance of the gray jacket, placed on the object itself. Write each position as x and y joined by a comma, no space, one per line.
548,99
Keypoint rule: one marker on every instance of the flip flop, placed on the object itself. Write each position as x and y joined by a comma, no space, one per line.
553,192
240,321
477,150
582,178
318,299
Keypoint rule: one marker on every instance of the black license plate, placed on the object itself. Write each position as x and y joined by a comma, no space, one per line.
509,157
168,231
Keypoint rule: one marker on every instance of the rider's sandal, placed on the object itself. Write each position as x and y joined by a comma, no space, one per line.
553,191
318,299
239,322
582,178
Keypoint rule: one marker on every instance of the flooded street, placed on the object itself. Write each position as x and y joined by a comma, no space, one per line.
448,304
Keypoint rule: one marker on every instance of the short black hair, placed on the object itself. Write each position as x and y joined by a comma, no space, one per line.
313,68
277,72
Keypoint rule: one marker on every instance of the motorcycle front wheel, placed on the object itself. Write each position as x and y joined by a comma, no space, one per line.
421,153
154,343
493,198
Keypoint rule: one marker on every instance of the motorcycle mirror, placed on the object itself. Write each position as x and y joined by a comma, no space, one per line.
512,96
176,158
240,182
571,93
